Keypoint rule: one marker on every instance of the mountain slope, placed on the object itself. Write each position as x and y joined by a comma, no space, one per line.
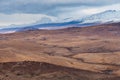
87,53
103,17
43,71
109,16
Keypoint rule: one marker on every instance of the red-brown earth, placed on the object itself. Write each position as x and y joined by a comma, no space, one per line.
87,53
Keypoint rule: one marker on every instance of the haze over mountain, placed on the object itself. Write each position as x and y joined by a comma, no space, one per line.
108,16
24,13
103,17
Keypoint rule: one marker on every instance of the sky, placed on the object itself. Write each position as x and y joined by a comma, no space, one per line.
23,12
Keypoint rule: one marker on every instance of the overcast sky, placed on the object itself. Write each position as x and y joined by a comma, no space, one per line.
19,12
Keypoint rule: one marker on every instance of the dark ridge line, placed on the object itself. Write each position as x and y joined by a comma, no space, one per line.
48,64
106,72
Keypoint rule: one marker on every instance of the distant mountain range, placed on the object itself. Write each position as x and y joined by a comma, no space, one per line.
109,16
103,17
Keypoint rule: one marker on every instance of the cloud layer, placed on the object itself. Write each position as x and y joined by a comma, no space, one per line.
20,19
29,11
48,6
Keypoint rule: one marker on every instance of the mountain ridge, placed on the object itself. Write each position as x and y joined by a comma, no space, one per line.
106,17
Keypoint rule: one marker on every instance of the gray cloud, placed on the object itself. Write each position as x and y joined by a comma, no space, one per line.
51,7
20,12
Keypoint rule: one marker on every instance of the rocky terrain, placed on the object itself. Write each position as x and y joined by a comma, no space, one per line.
87,53
44,71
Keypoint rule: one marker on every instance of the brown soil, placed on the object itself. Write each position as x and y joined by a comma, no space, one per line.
89,53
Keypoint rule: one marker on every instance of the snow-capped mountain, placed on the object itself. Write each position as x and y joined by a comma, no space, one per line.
103,17
109,16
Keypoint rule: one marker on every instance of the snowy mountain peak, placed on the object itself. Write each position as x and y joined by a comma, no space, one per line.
103,17
109,11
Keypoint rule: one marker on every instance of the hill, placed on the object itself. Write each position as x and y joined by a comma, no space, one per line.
69,53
